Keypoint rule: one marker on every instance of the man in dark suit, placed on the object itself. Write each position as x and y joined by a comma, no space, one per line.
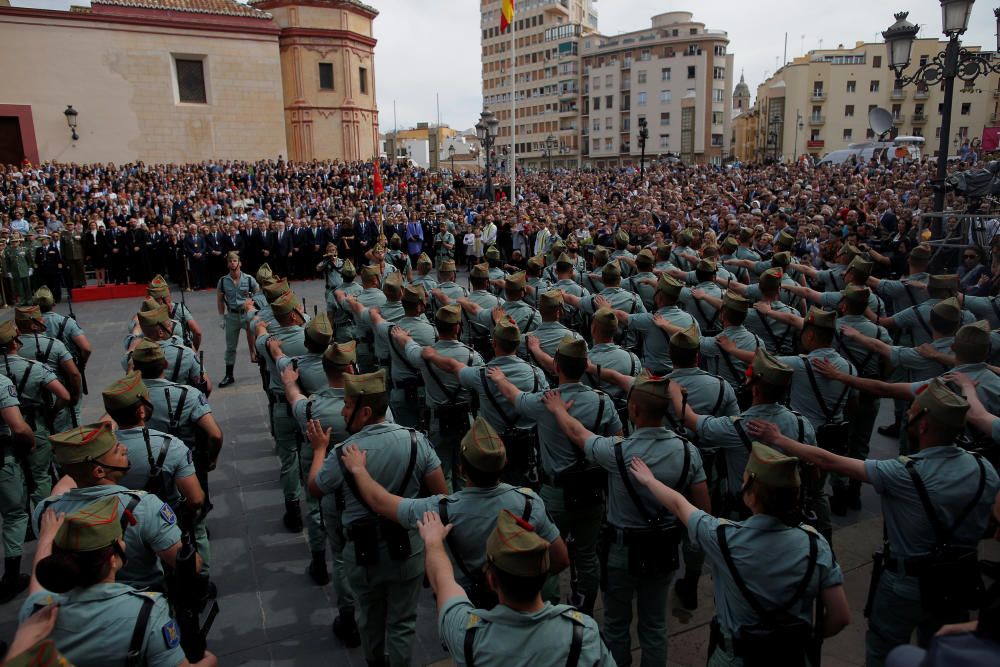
117,251
281,249
253,247
48,264
233,241
366,234
195,249
157,249
215,264
138,252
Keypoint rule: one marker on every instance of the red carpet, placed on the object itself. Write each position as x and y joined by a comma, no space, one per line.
93,293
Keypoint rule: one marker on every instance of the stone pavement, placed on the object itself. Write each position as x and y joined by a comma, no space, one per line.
271,613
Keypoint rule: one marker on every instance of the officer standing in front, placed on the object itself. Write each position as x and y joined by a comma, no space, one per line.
234,289
384,564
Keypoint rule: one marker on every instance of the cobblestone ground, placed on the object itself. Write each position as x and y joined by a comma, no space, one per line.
271,613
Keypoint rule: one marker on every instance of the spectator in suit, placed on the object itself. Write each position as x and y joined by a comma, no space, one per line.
174,258
116,246
233,241
281,249
366,234
195,249
215,262
95,251
157,247
48,266
138,252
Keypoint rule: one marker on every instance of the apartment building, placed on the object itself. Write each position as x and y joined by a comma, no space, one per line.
548,35
820,102
676,74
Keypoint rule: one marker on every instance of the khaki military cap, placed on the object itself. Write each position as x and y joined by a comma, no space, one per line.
768,369
664,246
264,274
707,265
688,339
574,348
772,468
645,257
948,310
342,353
606,321
921,252
944,283
506,329
538,261
516,280
8,332
125,392
492,252
515,548
781,259
395,237
44,297
483,448
564,260
92,527
622,236
850,251
557,247
600,255
972,342
611,271
414,294
275,289
148,304
730,244
785,240
28,313
319,329
424,260
653,385
393,283
368,384
370,271
83,443
450,314
942,404
823,319
285,304
770,280
155,317
687,236
861,266
480,271
857,293
735,302
551,299
447,266
746,233
158,287
669,285
348,271
147,351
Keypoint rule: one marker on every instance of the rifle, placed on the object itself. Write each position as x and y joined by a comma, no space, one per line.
76,355
183,303
189,593
202,384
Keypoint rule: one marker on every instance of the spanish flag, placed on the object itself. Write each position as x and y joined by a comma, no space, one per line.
377,181
506,14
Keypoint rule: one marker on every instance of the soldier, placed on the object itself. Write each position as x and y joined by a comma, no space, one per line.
551,331
65,329
565,281
391,309
571,488
914,322
323,516
318,335
384,565
398,258
525,317
778,337
330,266
234,288
182,364
749,582
643,281
613,296
857,274
16,440
444,245
371,296
447,286
342,319
40,393
18,263
640,542
927,576
706,393
900,294
482,459
72,252
621,252
475,334
423,277
732,315
95,461
495,262
705,312
288,338
831,279
683,256
535,283
53,353
604,353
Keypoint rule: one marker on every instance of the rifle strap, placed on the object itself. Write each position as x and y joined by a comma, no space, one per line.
176,372
175,418
134,656
493,399
633,494
943,535
829,413
722,395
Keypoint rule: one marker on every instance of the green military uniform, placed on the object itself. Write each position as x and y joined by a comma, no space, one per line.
386,586
442,253
720,362
656,344
408,387
449,288
448,402
312,377
53,354
637,281
18,260
778,337
370,297
609,355
155,528
234,296
631,511
13,495
899,294
914,322
96,624
63,328
343,318
620,299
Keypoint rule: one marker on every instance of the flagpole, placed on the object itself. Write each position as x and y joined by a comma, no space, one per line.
513,109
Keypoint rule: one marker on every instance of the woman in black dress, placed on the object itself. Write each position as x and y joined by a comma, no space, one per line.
94,251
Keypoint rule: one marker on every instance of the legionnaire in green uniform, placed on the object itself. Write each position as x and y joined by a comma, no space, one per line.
551,331
182,364
398,258
423,277
566,274
391,309
535,283
288,338
159,290
446,274
407,397
92,457
527,318
764,604
640,540
914,322
371,296
331,266
318,335
936,505
234,289
522,629
778,337
732,315
36,345
384,563
475,334
706,314
41,394
259,306
495,263
344,329
616,297
621,251
604,353
572,488
80,560
63,328
639,281
448,404
16,439
174,329
18,260
483,494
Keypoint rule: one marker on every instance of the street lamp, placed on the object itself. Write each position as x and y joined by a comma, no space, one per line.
451,154
954,62
486,130
643,136
71,115
773,135
798,126
550,147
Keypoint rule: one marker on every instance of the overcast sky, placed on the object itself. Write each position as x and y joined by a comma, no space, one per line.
431,47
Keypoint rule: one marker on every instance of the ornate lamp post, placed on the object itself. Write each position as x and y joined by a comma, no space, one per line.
451,154
643,136
550,147
486,130
71,115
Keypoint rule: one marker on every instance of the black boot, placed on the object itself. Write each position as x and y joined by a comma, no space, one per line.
854,495
686,590
838,501
13,581
345,628
293,516
317,569
228,380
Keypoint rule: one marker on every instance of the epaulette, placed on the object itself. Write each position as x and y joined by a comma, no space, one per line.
574,615
146,594
809,529
525,491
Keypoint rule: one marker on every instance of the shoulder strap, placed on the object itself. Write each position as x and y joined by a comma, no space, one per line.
993,305
722,394
909,293
943,535
923,322
739,377
62,327
741,432
23,382
451,396
175,418
600,412
409,466
134,657
850,355
575,646
493,400
467,648
450,539
401,355
778,342
176,372
829,413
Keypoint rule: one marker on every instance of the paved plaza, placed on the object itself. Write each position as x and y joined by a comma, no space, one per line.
271,613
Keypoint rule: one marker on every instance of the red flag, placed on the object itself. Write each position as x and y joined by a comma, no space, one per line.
506,14
379,187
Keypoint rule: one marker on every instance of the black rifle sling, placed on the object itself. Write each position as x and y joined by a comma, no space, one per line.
134,656
352,483
722,394
176,372
400,355
493,401
850,355
450,539
916,311
630,488
778,343
828,413
942,534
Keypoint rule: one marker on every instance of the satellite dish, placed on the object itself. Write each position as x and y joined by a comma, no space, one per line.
880,121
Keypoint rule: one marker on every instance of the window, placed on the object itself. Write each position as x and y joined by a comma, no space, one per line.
897,109
966,108
664,97
642,99
963,133
597,104
718,95
848,134
626,124
664,141
876,61
716,139
719,73
326,76
814,135
869,133
691,71
609,80
665,74
873,86
609,102
642,76
918,131
849,111
665,118
717,118
363,80
597,124
851,86
645,55
596,144
608,143
609,124
923,60
190,81
597,83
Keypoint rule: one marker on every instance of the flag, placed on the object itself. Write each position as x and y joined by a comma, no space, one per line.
379,187
506,14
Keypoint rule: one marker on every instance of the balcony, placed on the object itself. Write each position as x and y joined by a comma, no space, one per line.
996,93
818,96
898,119
817,120
919,118
815,143
558,7
897,94
923,94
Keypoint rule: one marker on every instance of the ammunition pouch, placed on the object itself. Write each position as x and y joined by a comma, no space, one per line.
366,534
783,640
651,551
411,390
949,578
832,437
744,396
582,485
521,444
453,420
